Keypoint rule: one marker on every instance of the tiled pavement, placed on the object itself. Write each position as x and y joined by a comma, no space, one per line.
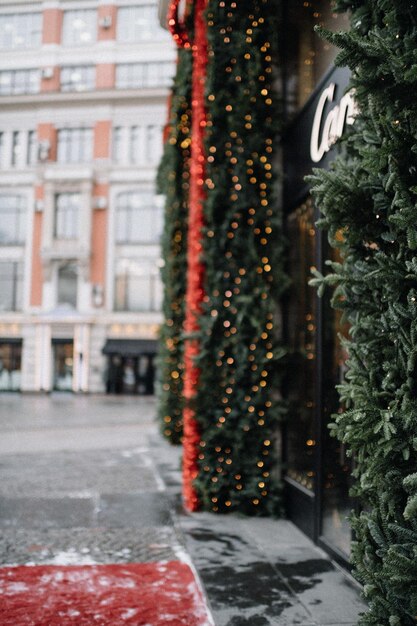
87,480
258,571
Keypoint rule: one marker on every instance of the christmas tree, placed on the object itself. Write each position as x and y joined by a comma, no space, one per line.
368,201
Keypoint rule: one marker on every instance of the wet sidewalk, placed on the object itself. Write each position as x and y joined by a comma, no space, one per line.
259,571
88,482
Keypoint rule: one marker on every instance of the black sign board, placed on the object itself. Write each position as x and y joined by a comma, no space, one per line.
308,141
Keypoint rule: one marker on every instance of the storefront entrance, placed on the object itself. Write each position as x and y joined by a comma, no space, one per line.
318,473
63,364
130,367
10,364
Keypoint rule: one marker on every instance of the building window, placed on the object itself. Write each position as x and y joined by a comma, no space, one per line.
137,144
80,27
138,220
11,279
139,23
20,30
15,82
118,144
17,147
137,75
10,364
78,78
66,215
12,219
137,285
75,145
134,145
67,285
32,149
153,143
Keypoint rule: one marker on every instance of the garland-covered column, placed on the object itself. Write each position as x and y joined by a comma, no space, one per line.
174,182
369,203
238,401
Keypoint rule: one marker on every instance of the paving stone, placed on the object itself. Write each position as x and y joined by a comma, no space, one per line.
87,545
317,582
134,510
242,585
60,411
46,512
77,472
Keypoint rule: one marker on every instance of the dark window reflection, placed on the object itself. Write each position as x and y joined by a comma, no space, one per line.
308,56
63,365
301,438
10,365
337,467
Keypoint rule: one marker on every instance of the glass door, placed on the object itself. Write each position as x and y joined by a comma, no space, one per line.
10,365
63,363
301,324
318,472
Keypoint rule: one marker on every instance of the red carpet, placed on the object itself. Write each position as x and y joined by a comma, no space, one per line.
138,594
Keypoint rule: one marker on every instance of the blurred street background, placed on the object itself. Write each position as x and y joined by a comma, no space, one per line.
87,481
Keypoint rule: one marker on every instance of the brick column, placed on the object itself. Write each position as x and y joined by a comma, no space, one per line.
105,76
102,135
99,237
36,279
107,16
52,26
48,133
50,79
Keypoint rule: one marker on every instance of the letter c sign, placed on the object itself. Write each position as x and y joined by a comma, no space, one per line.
334,124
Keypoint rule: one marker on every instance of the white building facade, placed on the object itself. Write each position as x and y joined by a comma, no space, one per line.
83,90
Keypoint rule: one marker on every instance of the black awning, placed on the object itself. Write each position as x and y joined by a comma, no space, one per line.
130,347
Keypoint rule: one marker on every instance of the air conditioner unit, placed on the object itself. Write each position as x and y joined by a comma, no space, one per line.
100,202
47,72
43,149
105,21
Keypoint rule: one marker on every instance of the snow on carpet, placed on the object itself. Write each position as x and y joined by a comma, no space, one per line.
134,594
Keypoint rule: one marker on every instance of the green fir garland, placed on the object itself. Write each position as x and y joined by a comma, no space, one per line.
173,181
236,403
369,204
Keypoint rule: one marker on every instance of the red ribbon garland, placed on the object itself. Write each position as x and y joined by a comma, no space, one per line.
195,267
177,28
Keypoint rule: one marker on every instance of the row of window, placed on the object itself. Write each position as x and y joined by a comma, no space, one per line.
80,27
131,144
137,285
138,220
18,148
83,78
137,144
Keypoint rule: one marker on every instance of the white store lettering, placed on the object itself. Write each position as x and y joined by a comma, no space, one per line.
334,124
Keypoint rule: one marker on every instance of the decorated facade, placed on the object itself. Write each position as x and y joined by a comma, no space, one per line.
294,398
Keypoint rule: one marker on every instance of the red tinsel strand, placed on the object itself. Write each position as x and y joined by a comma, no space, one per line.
195,267
177,28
